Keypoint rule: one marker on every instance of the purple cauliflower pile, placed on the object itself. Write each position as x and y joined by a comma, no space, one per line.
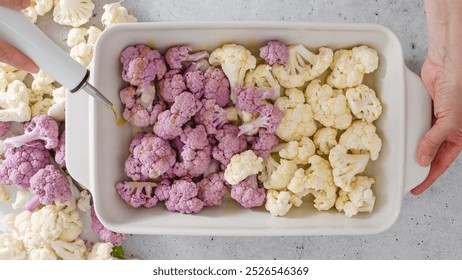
42,127
196,130
5,127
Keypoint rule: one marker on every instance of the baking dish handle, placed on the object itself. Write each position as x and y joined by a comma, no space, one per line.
418,121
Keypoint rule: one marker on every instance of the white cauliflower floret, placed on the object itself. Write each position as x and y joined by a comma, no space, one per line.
325,139
321,183
349,66
82,53
72,12
242,166
38,8
15,103
84,201
22,197
115,13
3,195
9,74
76,36
298,151
69,250
235,60
262,77
41,107
269,166
329,106
11,248
58,109
93,34
345,166
361,136
42,85
278,203
297,120
359,199
280,178
298,184
42,253
303,66
101,251
364,103
31,13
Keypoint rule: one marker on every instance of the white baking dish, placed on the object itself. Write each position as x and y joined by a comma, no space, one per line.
97,148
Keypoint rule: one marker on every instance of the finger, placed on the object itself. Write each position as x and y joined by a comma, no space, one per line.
431,142
15,58
447,153
15,4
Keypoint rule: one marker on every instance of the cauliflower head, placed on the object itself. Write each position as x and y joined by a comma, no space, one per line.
346,166
321,183
72,12
359,199
329,106
364,103
303,66
242,166
297,120
361,136
325,139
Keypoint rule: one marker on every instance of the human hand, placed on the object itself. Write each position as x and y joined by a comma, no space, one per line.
10,54
441,145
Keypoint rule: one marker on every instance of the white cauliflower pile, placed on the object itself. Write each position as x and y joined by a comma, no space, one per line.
327,130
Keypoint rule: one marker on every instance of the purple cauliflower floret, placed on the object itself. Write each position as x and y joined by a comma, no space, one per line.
142,65
216,86
213,117
5,127
20,164
172,85
195,82
212,189
264,143
162,190
196,153
186,105
42,127
48,185
250,98
176,56
137,194
153,156
248,194
275,52
229,144
269,119
182,197
105,234
168,125
141,105
60,154
201,64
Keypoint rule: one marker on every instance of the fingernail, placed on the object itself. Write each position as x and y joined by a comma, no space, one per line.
25,3
426,160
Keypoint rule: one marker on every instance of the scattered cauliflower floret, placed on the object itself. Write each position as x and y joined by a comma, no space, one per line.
69,250
359,199
58,109
93,34
345,166
101,251
82,53
325,139
297,120
278,203
262,77
303,66
72,12
38,8
321,183
15,103
329,106
364,103
3,195
235,60
76,36
298,151
11,248
349,66
83,50
8,74
361,136
84,201
280,178
41,85
115,13
242,166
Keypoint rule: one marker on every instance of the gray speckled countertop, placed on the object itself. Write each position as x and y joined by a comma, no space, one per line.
429,226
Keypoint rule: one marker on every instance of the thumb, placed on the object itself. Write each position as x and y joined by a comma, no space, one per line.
15,4
431,142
